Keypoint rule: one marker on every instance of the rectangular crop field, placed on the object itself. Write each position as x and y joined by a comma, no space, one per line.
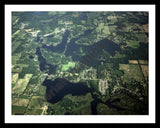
35,106
133,61
20,102
131,72
21,84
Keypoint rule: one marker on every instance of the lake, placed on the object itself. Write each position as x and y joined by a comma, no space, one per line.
60,87
57,89
72,49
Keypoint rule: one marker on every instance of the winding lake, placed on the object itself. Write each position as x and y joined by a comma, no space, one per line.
60,87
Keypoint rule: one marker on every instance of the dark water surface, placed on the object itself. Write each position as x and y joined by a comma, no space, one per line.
51,69
60,47
72,48
60,87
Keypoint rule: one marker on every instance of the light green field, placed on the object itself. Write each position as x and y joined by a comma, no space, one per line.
20,102
15,58
102,28
131,72
21,84
18,67
119,55
67,66
14,77
42,90
112,28
133,44
17,39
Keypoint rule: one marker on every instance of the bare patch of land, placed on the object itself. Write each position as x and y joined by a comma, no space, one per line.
133,61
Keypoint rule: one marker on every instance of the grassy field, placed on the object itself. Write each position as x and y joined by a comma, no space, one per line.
14,77
49,20
112,28
86,110
35,105
102,28
17,68
142,37
74,105
18,110
131,72
67,66
42,90
17,39
21,84
15,58
15,33
132,43
103,109
20,102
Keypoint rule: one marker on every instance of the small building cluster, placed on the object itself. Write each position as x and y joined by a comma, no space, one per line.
102,86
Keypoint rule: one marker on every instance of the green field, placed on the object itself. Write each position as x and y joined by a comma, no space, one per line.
68,66
20,102
103,109
17,68
73,105
133,44
14,77
21,84
15,58
18,110
131,72
35,105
